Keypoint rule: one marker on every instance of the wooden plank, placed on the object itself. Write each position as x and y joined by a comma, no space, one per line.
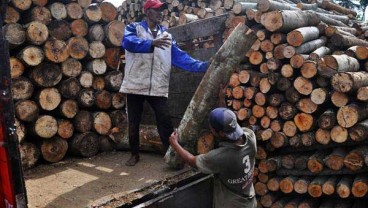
197,29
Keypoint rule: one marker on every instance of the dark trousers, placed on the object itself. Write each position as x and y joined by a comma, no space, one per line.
135,109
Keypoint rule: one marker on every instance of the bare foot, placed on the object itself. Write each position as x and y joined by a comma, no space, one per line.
132,160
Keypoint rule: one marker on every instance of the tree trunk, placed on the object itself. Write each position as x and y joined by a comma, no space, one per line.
54,149
348,116
36,33
83,121
60,30
315,162
349,81
68,108
354,160
301,35
22,89
329,185
359,131
29,155
343,41
31,55
286,21
45,126
96,33
84,144
335,160
315,187
205,98
65,128
103,99
56,51
360,186
114,33
74,11
48,99
343,188
58,10
26,110
69,88
79,28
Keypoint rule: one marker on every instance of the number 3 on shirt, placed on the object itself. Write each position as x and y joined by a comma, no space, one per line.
246,163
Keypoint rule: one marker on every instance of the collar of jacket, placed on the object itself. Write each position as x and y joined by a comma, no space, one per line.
145,26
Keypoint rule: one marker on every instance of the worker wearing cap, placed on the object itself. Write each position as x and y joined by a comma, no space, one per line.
232,163
149,53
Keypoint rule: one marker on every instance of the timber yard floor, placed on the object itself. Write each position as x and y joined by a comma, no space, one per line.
81,182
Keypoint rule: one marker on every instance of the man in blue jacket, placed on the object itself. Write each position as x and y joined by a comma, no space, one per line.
149,52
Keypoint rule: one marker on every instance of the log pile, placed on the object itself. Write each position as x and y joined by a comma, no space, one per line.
65,69
302,88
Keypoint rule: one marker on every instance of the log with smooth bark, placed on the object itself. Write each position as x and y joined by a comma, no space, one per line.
329,65
349,81
238,43
301,35
287,20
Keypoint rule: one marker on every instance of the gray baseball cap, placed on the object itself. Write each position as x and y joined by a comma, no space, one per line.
223,119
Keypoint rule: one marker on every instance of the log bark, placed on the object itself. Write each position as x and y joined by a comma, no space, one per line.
56,51
286,21
301,35
315,187
343,41
354,160
348,116
68,108
359,131
65,128
343,188
328,5
315,162
69,88
79,28
83,121
329,185
29,155
349,81
22,89
335,160
71,67
78,47
114,33
327,119
203,100
319,53
46,74
329,65
31,55
16,68
54,149
287,184
60,29
84,144
27,110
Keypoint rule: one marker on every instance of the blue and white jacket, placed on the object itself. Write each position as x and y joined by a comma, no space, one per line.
147,68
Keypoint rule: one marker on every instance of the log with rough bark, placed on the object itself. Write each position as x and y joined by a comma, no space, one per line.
349,115
238,43
301,35
85,144
349,81
29,154
54,149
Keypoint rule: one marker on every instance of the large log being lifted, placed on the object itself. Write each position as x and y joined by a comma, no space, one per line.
204,99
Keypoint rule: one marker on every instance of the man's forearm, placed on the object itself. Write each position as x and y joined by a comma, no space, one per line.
187,156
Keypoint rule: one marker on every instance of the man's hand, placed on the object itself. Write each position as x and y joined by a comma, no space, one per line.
174,138
162,43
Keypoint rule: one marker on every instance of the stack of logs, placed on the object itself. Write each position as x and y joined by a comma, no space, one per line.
65,60
304,91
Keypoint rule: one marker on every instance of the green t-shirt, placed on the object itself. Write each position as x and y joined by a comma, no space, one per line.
233,167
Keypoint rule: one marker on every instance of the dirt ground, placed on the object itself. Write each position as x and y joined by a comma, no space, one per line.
81,182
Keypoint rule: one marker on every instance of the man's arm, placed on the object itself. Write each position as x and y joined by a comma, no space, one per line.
182,60
187,156
134,44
